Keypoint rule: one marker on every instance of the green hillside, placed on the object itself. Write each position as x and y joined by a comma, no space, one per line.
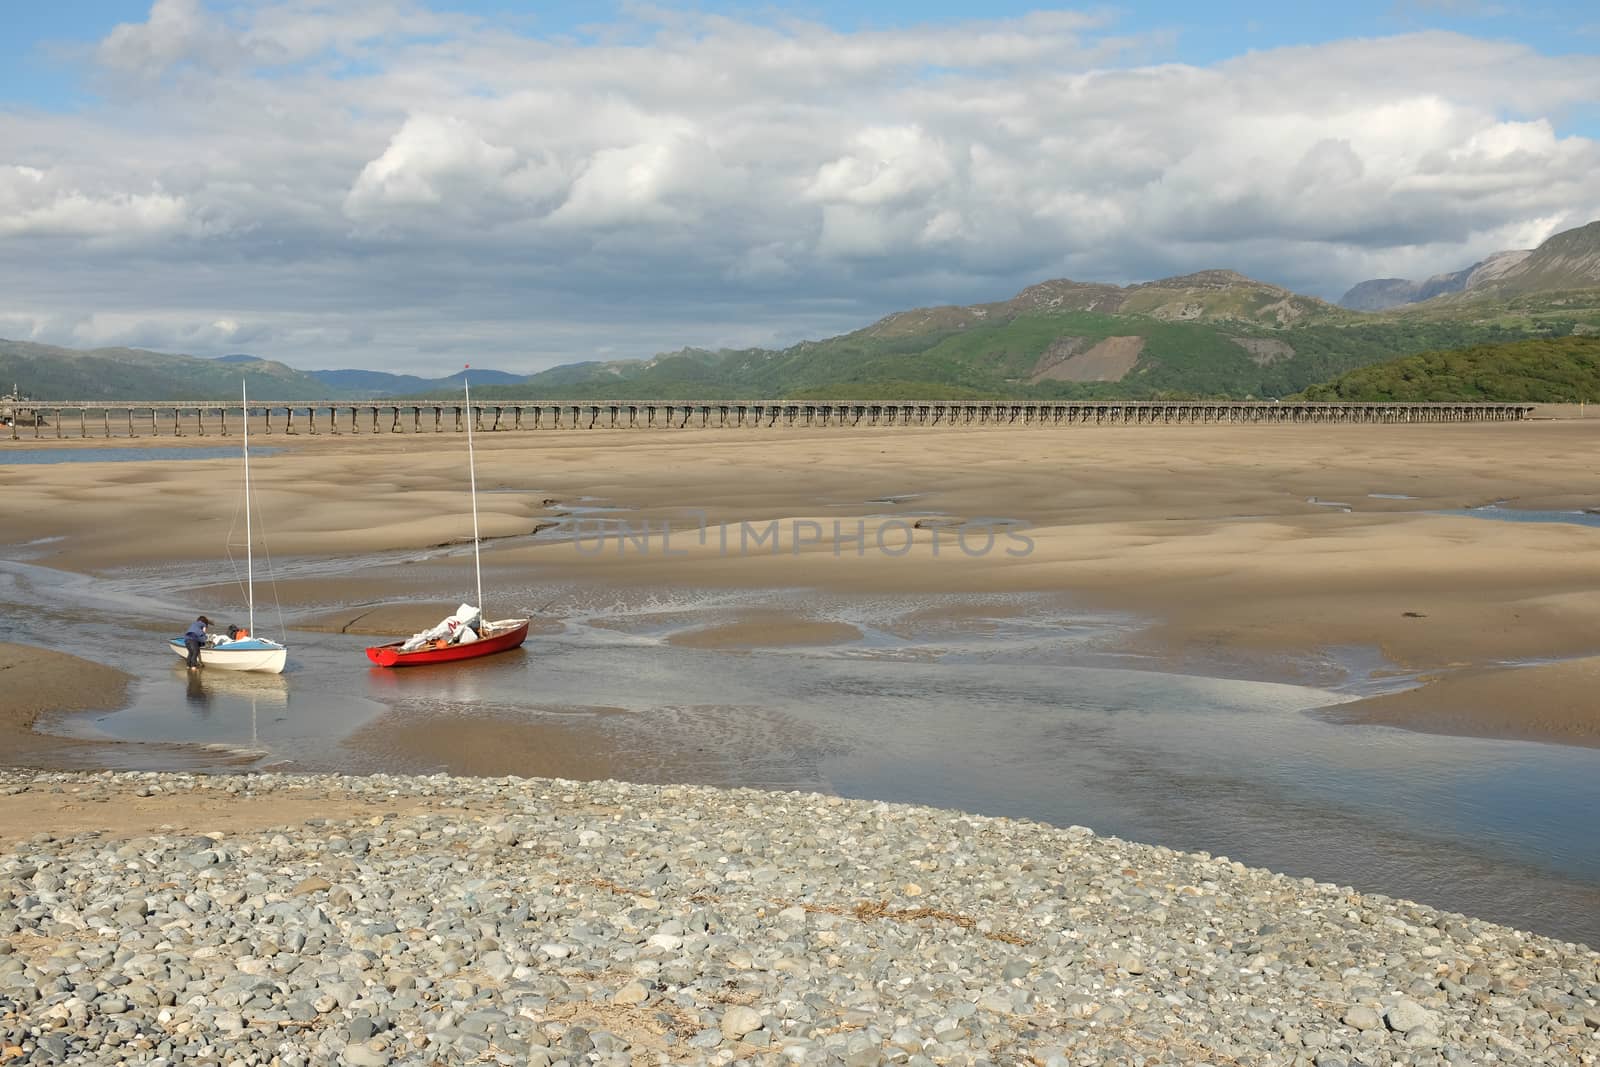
46,372
1555,370
1578,308
1030,355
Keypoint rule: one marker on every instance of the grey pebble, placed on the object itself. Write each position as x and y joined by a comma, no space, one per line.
362,1055
537,922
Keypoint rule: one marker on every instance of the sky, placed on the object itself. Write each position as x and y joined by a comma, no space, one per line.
410,185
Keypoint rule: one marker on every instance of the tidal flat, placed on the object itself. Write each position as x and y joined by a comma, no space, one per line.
1190,653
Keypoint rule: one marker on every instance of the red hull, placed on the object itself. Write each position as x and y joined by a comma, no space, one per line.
391,656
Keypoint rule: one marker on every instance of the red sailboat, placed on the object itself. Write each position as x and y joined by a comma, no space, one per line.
471,637
497,637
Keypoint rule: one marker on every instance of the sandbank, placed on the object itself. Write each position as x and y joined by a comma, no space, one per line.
1542,702
1258,543
37,681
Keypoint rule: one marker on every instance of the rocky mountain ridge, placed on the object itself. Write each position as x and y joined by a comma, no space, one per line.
1207,295
1568,260
1381,294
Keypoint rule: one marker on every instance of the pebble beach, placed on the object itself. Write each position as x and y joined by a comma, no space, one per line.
296,920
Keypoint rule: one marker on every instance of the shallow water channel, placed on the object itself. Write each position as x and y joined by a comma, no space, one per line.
1029,710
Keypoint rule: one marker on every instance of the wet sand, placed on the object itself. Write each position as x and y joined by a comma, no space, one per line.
130,812
35,681
1234,540
766,629
396,620
1545,702
731,745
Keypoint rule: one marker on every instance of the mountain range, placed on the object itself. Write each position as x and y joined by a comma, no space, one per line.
1210,333
1569,260
1378,294
374,383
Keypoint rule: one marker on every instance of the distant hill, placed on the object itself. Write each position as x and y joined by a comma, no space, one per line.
1206,296
1212,333
481,376
46,372
1380,294
1561,276
1059,337
49,372
1555,370
370,382
373,383
1568,261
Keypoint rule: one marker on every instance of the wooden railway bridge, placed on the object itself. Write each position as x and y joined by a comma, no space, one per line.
179,418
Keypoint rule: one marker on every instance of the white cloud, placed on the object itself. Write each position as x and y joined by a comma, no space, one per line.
366,182
670,177
886,165
35,202
431,158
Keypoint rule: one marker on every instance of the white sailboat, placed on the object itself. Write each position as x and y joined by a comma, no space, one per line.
246,652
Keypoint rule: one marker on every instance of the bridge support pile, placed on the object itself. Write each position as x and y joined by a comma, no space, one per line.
181,419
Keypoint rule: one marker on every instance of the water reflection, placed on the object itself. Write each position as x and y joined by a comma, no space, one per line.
1503,514
199,699
236,714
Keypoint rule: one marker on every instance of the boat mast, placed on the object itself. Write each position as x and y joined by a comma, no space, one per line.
472,468
249,559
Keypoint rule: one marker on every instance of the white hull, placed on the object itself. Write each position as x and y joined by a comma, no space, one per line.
265,660
250,653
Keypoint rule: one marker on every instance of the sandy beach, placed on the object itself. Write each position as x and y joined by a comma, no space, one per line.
1243,546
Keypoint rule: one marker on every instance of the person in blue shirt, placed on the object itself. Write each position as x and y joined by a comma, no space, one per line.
193,638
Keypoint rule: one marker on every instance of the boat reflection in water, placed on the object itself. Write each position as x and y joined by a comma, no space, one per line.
210,693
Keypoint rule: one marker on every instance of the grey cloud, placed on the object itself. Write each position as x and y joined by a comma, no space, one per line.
176,31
